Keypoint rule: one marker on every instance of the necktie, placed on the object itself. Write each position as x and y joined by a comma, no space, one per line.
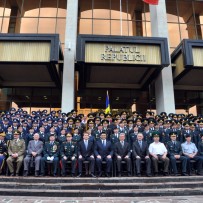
122,143
174,144
103,142
140,143
86,143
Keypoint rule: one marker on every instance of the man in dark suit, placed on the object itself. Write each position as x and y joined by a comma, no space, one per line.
35,148
103,151
122,153
140,153
86,153
175,153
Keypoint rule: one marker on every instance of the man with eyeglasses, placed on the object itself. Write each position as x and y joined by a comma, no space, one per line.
175,153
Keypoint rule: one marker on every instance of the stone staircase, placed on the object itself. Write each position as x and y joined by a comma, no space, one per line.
101,187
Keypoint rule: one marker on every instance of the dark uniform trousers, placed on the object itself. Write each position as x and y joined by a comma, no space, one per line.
155,163
199,161
174,148
50,150
55,164
73,164
183,160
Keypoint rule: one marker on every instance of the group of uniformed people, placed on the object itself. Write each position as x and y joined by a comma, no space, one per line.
59,138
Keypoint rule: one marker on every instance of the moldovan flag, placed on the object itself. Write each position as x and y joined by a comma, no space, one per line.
153,2
107,103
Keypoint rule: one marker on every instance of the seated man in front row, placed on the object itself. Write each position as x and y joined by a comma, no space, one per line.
51,153
86,153
158,152
190,152
68,152
122,153
16,152
140,153
175,153
35,148
3,150
103,151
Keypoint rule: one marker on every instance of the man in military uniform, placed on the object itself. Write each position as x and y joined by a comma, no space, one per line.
68,152
3,150
175,153
51,153
16,151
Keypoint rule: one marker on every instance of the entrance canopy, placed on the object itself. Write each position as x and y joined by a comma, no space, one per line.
188,59
120,62
29,60
124,65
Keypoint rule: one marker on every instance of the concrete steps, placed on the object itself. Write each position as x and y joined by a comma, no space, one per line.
101,187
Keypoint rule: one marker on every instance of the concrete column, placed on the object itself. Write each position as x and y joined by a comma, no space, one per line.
137,23
68,90
164,83
15,20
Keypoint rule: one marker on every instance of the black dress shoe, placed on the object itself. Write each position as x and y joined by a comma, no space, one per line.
25,173
165,174
12,174
93,176
36,173
41,175
55,175
100,174
119,174
63,175
107,175
175,174
72,174
129,174
199,174
149,175
17,174
155,174
79,175
184,174
138,175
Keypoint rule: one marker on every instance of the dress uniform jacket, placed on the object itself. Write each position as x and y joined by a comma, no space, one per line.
16,146
51,150
3,151
69,150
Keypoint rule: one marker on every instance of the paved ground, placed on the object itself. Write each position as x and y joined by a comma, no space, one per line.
186,199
